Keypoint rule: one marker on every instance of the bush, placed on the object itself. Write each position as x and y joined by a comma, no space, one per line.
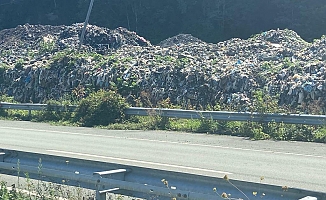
208,126
5,98
52,112
320,135
101,108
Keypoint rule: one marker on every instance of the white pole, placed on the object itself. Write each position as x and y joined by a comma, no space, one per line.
85,24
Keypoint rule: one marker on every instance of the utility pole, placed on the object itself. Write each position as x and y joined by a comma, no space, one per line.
81,39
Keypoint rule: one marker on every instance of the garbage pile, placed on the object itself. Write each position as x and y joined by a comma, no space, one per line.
42,62
179,39
32,37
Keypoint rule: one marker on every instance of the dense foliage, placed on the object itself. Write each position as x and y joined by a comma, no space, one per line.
101,108
209,20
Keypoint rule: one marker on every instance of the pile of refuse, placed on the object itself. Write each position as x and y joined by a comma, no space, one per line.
43,62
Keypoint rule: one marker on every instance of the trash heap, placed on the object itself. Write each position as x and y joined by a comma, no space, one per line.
43,62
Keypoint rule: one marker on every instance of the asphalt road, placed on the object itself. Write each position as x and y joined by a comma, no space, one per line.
293,164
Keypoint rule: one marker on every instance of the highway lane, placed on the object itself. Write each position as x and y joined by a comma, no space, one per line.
294,164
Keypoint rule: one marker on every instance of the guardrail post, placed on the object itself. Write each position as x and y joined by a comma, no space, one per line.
29,113
99,194
117,173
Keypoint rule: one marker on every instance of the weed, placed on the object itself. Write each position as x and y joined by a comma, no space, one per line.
228,180
207,125
46,46
166,183
223,195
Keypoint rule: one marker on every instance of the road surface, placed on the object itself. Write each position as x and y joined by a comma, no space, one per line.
293,164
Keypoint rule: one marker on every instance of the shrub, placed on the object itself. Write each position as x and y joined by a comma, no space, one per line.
320,135
208,126
101,108
5,98
264,103
53,113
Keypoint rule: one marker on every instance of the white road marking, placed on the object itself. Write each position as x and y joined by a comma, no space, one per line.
169,142
139,161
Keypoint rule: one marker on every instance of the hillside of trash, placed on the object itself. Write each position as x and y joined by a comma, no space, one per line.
42,62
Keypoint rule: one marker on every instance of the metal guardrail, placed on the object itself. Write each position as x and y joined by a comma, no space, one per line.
230,116
191,114
31,106
104,178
